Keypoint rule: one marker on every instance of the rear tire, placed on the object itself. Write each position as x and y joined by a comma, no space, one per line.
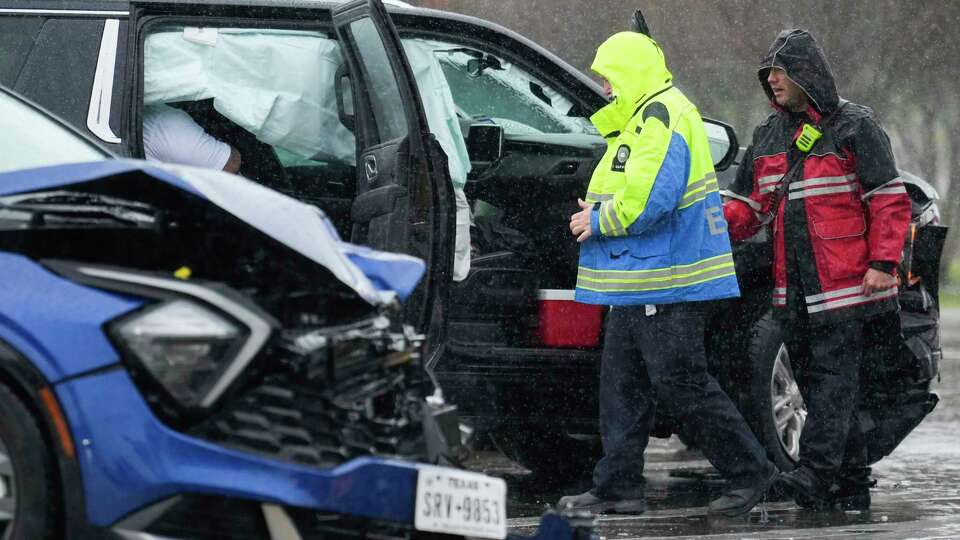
27,487
776,408
552,456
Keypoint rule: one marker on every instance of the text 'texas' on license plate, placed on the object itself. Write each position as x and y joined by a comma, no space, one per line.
459,502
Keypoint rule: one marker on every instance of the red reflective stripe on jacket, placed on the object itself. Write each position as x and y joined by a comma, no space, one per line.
889,211
846,233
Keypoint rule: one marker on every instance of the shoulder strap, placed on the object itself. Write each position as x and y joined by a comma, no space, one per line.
826,123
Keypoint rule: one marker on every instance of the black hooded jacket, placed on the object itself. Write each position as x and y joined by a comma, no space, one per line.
844,210
797,53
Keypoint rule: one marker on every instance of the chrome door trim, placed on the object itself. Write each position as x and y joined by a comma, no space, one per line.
65,12
101,96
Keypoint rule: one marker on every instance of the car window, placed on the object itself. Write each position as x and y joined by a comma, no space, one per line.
385,96
486,86
276,85
17,36
29,139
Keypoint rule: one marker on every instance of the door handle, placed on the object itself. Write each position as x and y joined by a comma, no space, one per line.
370,169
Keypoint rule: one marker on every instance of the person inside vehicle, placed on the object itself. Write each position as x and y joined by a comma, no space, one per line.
170,135
654,246
821,172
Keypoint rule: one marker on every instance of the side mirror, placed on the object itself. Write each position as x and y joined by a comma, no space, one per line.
474,67
344,91
485,144
723,143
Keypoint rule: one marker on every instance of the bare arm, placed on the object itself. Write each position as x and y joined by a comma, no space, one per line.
234,162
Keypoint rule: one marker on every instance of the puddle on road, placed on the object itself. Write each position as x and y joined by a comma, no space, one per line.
918,494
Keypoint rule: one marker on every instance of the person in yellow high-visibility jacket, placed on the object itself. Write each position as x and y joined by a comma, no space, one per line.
654,246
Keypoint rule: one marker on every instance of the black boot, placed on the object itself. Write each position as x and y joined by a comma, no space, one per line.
853,490
589,502
740,501
807,489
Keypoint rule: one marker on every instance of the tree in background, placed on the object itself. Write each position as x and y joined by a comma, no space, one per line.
900,58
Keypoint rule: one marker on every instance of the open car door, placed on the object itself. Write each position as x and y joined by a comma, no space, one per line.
405,200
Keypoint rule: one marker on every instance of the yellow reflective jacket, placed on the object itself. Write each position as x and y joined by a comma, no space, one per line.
658,231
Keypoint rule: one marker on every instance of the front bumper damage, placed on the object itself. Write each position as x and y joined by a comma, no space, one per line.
144,480
309,416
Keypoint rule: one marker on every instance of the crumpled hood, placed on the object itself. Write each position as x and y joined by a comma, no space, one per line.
377,277
798,54
636,68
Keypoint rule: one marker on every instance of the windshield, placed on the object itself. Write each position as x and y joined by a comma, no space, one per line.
30,139
485,86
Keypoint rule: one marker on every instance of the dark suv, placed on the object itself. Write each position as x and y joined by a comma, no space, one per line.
516,119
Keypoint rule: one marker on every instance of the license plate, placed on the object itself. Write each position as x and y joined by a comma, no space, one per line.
459,502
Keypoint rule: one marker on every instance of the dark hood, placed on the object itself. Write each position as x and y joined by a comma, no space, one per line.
796,52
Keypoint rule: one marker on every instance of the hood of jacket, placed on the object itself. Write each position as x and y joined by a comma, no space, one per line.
798,54
636,69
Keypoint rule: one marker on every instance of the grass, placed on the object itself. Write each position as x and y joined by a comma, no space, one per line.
949,299
950,294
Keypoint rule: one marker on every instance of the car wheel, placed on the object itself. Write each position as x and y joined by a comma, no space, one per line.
27,498
776,406
552,456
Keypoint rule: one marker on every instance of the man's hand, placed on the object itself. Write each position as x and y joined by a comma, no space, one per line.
876,281
580,222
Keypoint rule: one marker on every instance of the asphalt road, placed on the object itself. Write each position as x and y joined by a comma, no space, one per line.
917,496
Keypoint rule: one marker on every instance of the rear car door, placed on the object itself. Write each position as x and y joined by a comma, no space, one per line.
64,57
404,200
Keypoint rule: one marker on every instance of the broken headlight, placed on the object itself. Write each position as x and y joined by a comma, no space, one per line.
182,345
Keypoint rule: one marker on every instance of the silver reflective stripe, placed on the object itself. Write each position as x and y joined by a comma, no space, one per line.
768,189
890,191
101,98
823,181
586,273
773,179
893,183
852,300
813,299
659,273
699,184
780,296
698,190
598,197
725,271
615,227
605,224
65,12
822,191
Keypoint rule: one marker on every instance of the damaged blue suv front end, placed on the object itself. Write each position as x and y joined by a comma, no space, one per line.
203,357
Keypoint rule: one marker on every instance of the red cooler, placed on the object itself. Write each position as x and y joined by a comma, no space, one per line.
565,323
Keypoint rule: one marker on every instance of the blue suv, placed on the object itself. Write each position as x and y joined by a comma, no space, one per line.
187,354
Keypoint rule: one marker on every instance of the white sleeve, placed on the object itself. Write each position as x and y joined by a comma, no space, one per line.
171,136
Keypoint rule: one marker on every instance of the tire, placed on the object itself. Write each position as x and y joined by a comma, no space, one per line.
775,408
552,456
27,481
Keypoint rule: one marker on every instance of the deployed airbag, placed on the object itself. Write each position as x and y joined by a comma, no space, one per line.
276,84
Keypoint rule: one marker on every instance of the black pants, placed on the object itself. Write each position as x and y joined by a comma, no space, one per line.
659,361
827,361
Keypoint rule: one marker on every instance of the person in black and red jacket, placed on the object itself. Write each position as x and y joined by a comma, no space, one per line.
821,174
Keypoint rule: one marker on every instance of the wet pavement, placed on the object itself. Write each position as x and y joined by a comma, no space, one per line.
917,495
